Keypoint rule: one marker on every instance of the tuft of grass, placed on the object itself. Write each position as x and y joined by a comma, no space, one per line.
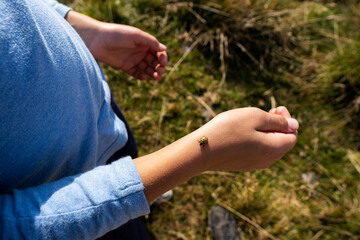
340,82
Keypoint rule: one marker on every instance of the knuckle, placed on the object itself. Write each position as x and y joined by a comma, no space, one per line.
283,122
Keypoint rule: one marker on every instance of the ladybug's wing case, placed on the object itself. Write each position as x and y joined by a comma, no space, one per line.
203,141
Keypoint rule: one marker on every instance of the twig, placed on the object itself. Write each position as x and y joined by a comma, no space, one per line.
178,235
223,45
214,10
315,20
318,234
342,232
333,180
161,117
354,159
261,66
201,19
110,12
205,105
175,67
336,37
165,18
248,220
343,39
273,102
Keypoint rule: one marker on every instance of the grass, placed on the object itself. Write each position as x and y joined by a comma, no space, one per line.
228,54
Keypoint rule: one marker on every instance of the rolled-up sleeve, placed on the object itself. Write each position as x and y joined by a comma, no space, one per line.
59,7
84,206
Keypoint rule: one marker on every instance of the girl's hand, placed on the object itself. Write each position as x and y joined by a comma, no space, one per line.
128,48
124,47
248,139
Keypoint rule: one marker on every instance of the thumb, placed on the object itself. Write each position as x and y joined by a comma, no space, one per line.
150,41
278,123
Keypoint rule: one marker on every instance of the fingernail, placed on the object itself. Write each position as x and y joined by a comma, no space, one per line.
293,124
162,46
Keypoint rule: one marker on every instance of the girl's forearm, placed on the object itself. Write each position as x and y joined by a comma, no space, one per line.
172,165
85,26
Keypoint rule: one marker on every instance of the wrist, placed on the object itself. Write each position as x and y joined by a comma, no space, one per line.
172,165
87,27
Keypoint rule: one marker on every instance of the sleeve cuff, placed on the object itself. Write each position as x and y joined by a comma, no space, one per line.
126,169
62,9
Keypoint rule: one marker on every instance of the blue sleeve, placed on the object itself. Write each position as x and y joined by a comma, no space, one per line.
85,206
60,8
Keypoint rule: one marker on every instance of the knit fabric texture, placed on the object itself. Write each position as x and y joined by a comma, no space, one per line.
57,130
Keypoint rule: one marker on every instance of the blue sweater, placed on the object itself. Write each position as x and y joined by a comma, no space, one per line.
57,130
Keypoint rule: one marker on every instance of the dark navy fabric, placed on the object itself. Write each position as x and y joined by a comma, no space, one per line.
134,229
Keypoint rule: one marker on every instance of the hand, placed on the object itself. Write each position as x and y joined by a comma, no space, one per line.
248,139
127,48
124,47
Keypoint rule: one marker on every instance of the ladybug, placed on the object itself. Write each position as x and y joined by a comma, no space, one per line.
203,141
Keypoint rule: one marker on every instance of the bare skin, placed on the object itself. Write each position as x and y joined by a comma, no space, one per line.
124,47
239,140
242,140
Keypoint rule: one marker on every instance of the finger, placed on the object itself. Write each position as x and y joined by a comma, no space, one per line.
140,75
282,111
162,58
160,70
137,74
156,76
146,39
155,58
143,76
151,60
278,123
149,66
142,65
149,70
131,71
156,46
272,111
279,143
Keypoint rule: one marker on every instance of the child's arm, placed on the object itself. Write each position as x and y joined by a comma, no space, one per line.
238,140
